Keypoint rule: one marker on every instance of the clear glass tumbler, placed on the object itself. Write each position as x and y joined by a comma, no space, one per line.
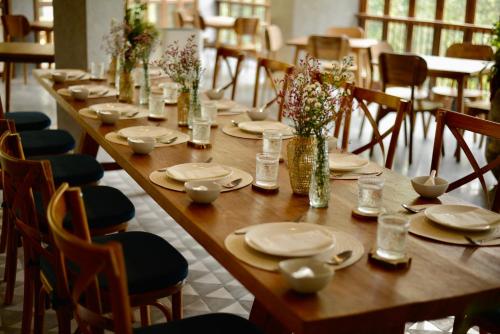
209,111
370,189
156,104
170,92
201,131
271,142
266,170
97,70
392,231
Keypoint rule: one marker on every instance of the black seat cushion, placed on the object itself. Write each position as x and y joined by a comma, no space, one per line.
29,120
76,169
217,323
44,142
151,262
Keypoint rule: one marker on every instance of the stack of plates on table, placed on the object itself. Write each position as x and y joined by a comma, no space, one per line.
197,171
258,127
95,90
462,217
124,108
224,105
346,162
145,131
71,74
290,239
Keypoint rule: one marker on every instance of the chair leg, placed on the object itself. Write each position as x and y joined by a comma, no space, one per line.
412,128
406,131
25,73
40,305
10,265
4,232
64,320
177,305
145,315
29,291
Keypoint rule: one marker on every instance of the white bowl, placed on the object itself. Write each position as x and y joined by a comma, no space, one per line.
429,191
306,275
204,192
59,76
108,116
141,145
256,115
214,95
79,93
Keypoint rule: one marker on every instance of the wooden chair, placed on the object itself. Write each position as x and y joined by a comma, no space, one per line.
224,54
351,32
456,123
271,67
373,55
273,40
246,27
329,48
93,261
409,71
362,98
16,27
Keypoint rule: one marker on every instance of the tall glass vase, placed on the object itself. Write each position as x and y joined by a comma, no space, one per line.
112,70
300,157
183,107
126,86
194,104
145,86
319,191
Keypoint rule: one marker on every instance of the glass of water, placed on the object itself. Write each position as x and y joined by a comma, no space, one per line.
156,104
266,170
170,91
370,190
201,131
391,236
209,111
97,70
271,142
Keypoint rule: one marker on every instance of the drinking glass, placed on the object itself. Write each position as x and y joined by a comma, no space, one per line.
170,92
391,235
271,142
97,70
209,111
156,104
370,190
266,170
201,131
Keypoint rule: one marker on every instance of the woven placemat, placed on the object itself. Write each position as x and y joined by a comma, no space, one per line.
237,246
235,131
90,113
161,179
110,91
117,139
420,225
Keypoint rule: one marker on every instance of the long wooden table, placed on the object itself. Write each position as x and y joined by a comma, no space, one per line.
363,298
23,52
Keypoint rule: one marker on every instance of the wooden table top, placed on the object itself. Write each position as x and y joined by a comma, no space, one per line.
456,66
26,52
441,281
354,43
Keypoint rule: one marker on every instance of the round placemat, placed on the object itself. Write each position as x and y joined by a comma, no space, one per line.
90,113
161,179
117,139
237,246
235,131
421,226
110,91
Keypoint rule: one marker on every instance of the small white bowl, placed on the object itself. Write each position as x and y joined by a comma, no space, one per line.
215,95
203,192
108,116
80,93
429,191
59,76
306,275
141,145
256,115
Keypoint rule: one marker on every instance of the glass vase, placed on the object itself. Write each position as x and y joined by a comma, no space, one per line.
319,190
126,94
183,107
300,157
194,104
112,70
145,86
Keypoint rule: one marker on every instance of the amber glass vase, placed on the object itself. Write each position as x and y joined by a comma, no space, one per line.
300,159
126,94
183,108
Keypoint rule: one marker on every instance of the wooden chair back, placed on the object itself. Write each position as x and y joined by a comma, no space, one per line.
224,54
199,21
273,39
470,51
362,98
456,123
351,32
373,56
92,261
181,18
328,47
246,26
270,67
15,26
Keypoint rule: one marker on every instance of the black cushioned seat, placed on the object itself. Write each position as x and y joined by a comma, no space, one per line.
217,323
76,169
151,262
44,142
29,120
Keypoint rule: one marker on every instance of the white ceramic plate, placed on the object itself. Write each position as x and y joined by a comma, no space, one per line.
225,105
346,162
193,171
144,131
462,217
259,127
93,89
70,73
121,107
290,239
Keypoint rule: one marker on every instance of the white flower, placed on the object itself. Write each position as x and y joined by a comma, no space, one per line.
306,108
317,105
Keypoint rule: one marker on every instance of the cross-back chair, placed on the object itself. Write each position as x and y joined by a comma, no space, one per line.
273,40
107,260
224,54
270,67
362,98
16,27
456,123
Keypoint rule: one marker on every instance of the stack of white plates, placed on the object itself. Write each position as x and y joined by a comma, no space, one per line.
342,162
462,217
197,171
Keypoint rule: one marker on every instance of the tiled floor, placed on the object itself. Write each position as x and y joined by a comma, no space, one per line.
209,287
